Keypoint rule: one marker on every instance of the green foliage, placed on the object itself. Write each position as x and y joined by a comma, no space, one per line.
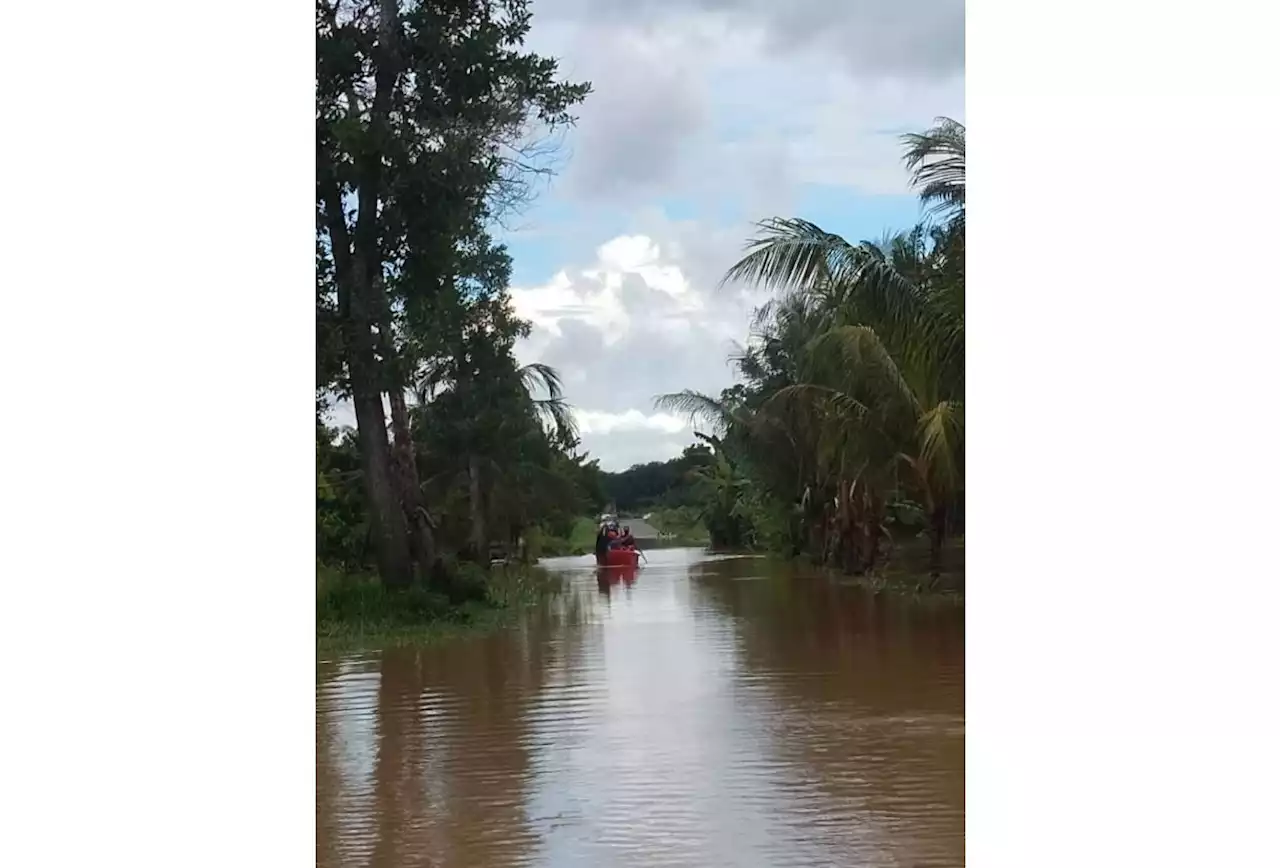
657,483
431,124
551,543
358,609
342,527
369,603
683,522
724,512
519,447
849,420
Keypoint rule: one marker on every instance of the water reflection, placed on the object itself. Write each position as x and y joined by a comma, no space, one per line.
609,578
695,712
866,697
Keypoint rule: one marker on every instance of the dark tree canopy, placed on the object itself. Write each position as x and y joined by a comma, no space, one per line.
657,483
429,119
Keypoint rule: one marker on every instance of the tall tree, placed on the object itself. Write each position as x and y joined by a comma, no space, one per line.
418,107
492,410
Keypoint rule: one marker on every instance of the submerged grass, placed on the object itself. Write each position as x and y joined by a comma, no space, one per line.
906,575
354,610
682,524
917,588
581,540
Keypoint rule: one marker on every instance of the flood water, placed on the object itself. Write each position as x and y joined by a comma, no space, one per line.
699,712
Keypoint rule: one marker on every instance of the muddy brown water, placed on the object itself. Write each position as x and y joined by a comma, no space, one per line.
699,712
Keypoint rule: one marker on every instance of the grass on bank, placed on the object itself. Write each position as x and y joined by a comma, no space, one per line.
683,523
355,610
906,573
581,540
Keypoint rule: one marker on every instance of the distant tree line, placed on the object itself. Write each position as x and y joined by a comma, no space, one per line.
657,484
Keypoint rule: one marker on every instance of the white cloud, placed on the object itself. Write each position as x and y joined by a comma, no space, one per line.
639,254
702,103
595,304
597,422
595,295
643,318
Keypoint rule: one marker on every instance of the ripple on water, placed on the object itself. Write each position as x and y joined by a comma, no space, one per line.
711,713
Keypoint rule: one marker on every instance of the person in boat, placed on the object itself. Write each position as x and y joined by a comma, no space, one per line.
602,540
626,540
606,535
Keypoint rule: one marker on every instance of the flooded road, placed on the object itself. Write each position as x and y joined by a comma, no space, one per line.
700,712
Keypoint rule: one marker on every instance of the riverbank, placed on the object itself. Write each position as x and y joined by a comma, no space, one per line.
580,541
354,611
905,575
670,527
680,526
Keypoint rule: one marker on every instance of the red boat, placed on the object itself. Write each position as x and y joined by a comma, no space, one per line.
619,558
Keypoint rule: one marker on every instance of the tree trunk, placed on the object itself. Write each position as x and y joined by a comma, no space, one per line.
422,544
872,532
479,536
357,268
937,535
422,547
849,562
796,533
386,518
846,527
818,540
850,555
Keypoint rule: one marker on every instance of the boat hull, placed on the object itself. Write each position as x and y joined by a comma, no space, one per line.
619,558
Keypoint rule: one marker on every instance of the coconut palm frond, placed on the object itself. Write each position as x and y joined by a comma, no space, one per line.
877,293
936,161
552,411
803,396
696,407
858,354
747,361
557,415
537,376
941,432
790,253
763,318
716,443
434,378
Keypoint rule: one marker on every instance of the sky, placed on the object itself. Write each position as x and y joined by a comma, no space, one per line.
707,116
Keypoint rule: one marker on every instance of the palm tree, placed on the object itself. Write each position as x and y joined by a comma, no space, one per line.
890,418
502,421
521,477
935,159
553,410
857,370
866,345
